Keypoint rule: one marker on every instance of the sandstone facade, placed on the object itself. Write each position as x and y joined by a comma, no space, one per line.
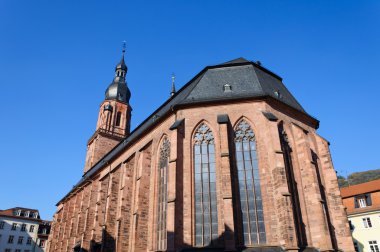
119,205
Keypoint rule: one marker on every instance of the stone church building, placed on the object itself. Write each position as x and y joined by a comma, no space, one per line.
229,162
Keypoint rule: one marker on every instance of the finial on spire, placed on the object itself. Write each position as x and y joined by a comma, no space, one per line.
173,85
124,46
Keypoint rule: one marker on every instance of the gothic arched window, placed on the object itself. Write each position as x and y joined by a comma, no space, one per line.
162,194
206,212
251,206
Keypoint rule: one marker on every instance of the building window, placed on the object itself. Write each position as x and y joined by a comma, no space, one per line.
44,231
2,224
26,214
162,193
10,239
363,200
29,241
31,229
206,212
35,215
367,222
18,250
118,118
42,243
8,250
14,226
20,239
26,250
227,88
251,206
23,227
18,212
351,226
373,246
356,246
300,229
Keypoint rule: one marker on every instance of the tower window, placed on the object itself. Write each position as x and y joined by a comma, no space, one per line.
118,118
251,206
206,211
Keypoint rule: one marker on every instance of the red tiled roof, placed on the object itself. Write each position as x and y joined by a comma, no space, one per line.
10,213
371,186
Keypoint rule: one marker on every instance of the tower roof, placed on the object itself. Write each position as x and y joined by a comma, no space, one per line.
121,64
118,89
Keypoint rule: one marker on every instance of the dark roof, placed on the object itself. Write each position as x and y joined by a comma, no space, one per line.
246,79
118,89
121,64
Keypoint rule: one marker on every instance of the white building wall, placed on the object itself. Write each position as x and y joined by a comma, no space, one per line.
7,231
363,233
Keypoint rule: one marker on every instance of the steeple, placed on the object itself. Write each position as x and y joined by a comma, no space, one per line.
172,92
118,89
114,117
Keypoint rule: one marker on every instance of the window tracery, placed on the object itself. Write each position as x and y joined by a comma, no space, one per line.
251,207
206,212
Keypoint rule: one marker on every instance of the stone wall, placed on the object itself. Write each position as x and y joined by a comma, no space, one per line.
117,208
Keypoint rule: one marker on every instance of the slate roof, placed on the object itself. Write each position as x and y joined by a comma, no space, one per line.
118,89
247,79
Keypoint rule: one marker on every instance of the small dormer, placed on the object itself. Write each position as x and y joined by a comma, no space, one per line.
18,212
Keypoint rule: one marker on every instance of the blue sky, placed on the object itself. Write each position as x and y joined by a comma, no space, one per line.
58,57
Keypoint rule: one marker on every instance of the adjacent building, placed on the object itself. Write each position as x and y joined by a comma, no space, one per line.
22,230
229,162
362,202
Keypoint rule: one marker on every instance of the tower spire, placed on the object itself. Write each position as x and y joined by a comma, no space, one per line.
114,118
172,92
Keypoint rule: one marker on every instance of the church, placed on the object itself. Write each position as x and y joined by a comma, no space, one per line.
230,162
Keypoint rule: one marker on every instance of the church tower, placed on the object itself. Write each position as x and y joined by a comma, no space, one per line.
114,117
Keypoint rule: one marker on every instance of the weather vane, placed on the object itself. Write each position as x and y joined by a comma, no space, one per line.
124,45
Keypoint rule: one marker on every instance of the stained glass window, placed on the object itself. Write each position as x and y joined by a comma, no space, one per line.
162,193
251,206
206,212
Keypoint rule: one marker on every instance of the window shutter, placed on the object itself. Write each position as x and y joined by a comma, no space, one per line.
356,202
368,199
